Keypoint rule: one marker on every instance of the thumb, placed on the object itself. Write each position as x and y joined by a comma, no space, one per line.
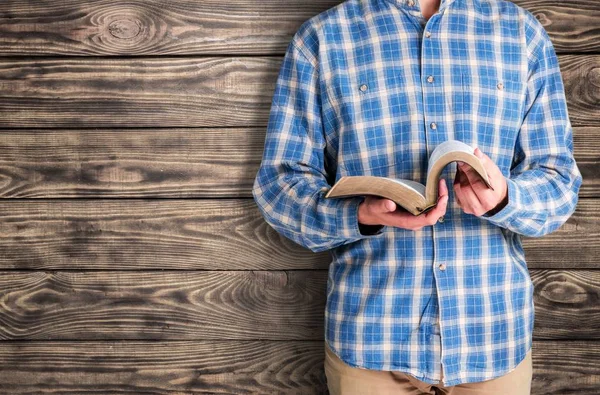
488,163
387,205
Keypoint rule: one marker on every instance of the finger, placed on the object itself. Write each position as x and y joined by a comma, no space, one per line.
457,188
414,222
472,175
406,220
442,202
476,183
460,178
387,205
471,203
380,205
442,188
440,208
490,167
409,221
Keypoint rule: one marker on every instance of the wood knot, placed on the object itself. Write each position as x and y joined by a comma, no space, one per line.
124,28
594,77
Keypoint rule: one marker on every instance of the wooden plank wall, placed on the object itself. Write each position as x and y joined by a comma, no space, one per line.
132,256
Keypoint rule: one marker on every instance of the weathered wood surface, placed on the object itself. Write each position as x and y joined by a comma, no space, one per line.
169,163
266,305
201,294
180,27
233,367
576,244
224,234
167,367
184,91
124,163
144,234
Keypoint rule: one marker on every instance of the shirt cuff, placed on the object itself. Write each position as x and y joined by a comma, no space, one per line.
505,215
348,224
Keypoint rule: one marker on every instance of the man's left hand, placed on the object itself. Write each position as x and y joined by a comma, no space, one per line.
471,192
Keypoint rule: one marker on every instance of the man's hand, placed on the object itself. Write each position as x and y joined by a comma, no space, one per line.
472,195
380,211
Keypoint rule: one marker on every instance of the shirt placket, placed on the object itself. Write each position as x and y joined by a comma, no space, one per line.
436,132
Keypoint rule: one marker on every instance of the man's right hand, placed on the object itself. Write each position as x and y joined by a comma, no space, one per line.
380,211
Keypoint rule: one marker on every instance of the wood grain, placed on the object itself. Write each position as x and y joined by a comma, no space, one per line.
167,367
162,305
565,367
266,305
144,234
150,92
571,24
234,367
173,163
576,244
132,257
191,92
124,163
224,234
179,27
566,304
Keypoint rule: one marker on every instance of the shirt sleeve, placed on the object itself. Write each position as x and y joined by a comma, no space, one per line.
291,183
544,179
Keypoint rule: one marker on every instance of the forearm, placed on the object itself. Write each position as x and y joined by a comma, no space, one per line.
539,200
294,204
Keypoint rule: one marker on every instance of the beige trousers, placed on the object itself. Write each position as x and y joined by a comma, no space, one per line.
343,379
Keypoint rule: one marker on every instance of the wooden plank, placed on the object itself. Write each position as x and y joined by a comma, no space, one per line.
224,305
571,24
180,27
193,367
576,244
586,143
183,91
125,163
145,234
168,367
153,27
566,304
149,92
220,234
566,367
162,305
179,163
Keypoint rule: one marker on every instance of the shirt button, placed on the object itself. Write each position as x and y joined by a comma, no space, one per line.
427,33
433,125
430,78
363,87
442,266
410,3
500,85
441,219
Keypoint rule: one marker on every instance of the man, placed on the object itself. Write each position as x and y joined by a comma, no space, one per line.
442,301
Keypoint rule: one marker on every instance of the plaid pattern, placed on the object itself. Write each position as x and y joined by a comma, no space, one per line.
371,87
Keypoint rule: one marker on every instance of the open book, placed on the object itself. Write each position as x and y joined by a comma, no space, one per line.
415,197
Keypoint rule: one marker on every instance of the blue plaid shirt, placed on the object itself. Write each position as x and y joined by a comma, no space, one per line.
370,87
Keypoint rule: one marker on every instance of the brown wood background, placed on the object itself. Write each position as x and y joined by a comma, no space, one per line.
132,256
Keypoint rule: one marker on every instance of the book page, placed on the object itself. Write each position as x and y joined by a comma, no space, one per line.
445,148
443,154
406,193
416,186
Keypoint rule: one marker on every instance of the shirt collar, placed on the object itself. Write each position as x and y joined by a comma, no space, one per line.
415,4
